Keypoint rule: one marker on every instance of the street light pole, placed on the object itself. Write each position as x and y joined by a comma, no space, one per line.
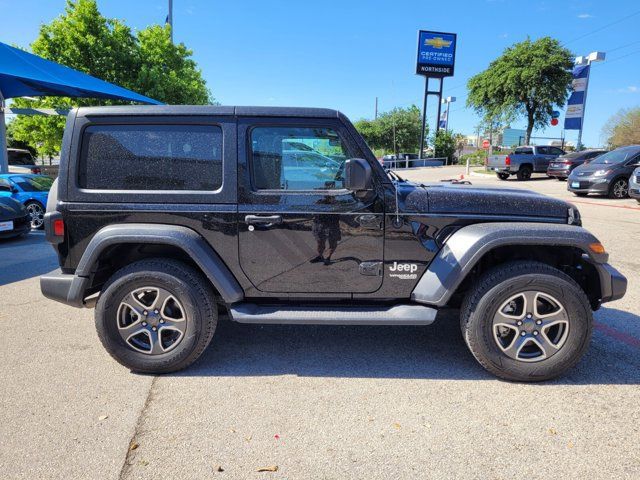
4,161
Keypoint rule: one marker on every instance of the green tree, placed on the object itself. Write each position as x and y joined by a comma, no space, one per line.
445,145
396,131
83,39
529,79
623,128
166,71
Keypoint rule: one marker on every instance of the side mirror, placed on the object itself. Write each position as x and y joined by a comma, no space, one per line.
357,175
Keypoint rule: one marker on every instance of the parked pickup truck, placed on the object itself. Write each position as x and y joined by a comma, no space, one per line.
524,161
165,216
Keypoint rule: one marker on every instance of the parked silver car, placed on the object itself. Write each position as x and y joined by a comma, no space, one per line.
634,184
606,175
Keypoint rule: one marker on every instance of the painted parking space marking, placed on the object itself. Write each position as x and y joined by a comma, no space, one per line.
617,334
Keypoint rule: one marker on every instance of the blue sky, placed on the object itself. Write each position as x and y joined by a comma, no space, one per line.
342,54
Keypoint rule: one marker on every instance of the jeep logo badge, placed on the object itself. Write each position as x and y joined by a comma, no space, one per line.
403,271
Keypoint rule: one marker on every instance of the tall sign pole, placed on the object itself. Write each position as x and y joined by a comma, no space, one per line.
574,116
436,59
170,18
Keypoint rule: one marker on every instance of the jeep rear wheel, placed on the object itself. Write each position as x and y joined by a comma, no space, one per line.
526,321
156,316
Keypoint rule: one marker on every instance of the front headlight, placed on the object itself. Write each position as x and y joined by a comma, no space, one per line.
601,173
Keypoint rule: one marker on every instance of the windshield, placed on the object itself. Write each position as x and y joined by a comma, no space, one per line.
33,184
617,156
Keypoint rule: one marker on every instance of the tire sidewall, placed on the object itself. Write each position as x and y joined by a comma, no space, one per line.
481,326
106,320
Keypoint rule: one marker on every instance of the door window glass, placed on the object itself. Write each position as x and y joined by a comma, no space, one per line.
297,158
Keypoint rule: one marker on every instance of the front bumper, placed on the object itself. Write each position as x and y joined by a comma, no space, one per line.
64,287
613,285
21,226
634,186
588,185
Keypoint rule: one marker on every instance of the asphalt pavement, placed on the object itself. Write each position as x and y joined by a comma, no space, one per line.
316,402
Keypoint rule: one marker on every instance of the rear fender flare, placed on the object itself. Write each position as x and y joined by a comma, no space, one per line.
182,237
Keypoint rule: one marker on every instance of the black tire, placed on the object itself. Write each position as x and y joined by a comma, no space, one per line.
503,176
561,179
524,173
36,211
638,200
619,188
188,286
580,194
499,285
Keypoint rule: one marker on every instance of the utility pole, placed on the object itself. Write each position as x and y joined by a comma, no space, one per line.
375,117
4,163
170,17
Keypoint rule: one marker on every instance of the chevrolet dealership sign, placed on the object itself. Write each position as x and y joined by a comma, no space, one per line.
436,54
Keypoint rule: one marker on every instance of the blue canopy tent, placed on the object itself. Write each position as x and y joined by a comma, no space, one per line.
24,74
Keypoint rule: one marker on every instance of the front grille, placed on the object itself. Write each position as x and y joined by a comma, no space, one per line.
637,178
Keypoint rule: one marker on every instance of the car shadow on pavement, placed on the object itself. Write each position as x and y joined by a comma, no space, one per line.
25,257
434,352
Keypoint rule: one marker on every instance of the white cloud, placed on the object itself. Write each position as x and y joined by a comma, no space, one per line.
629,89
585,15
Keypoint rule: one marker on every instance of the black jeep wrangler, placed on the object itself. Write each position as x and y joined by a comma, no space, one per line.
164,216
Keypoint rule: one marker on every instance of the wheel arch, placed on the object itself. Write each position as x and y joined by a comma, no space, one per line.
117,245
474,249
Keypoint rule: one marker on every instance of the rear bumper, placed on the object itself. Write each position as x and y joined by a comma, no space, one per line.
63,287
613,285
558,173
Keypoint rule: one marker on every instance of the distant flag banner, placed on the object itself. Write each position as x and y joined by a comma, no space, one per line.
443,120
575,105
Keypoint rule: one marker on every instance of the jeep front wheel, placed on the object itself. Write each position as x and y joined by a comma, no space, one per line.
526,321
156,316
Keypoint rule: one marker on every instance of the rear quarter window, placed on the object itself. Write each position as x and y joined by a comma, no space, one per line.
151,157
524,151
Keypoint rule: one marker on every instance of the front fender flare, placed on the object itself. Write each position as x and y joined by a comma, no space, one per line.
467,246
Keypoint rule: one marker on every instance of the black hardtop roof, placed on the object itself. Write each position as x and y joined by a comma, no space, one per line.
208,110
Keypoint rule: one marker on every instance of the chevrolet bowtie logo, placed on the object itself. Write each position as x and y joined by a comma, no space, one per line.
438,42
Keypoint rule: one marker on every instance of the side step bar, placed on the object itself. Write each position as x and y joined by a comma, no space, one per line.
333,315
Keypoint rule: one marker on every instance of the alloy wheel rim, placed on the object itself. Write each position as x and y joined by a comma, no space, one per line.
36,213
620,189
530,326
151,320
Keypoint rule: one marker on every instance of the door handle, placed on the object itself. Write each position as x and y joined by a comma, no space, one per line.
266,221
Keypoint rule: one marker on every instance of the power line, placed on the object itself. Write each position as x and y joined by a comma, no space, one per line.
603,27
623,56
609,50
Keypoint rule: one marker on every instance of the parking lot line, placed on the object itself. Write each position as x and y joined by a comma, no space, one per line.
628,207
617,334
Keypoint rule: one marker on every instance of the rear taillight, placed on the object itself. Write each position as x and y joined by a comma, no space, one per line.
58,227
37,171
507,161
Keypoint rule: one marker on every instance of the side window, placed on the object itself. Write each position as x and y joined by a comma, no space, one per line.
556,151
543,150
151,157
297,158
5,186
